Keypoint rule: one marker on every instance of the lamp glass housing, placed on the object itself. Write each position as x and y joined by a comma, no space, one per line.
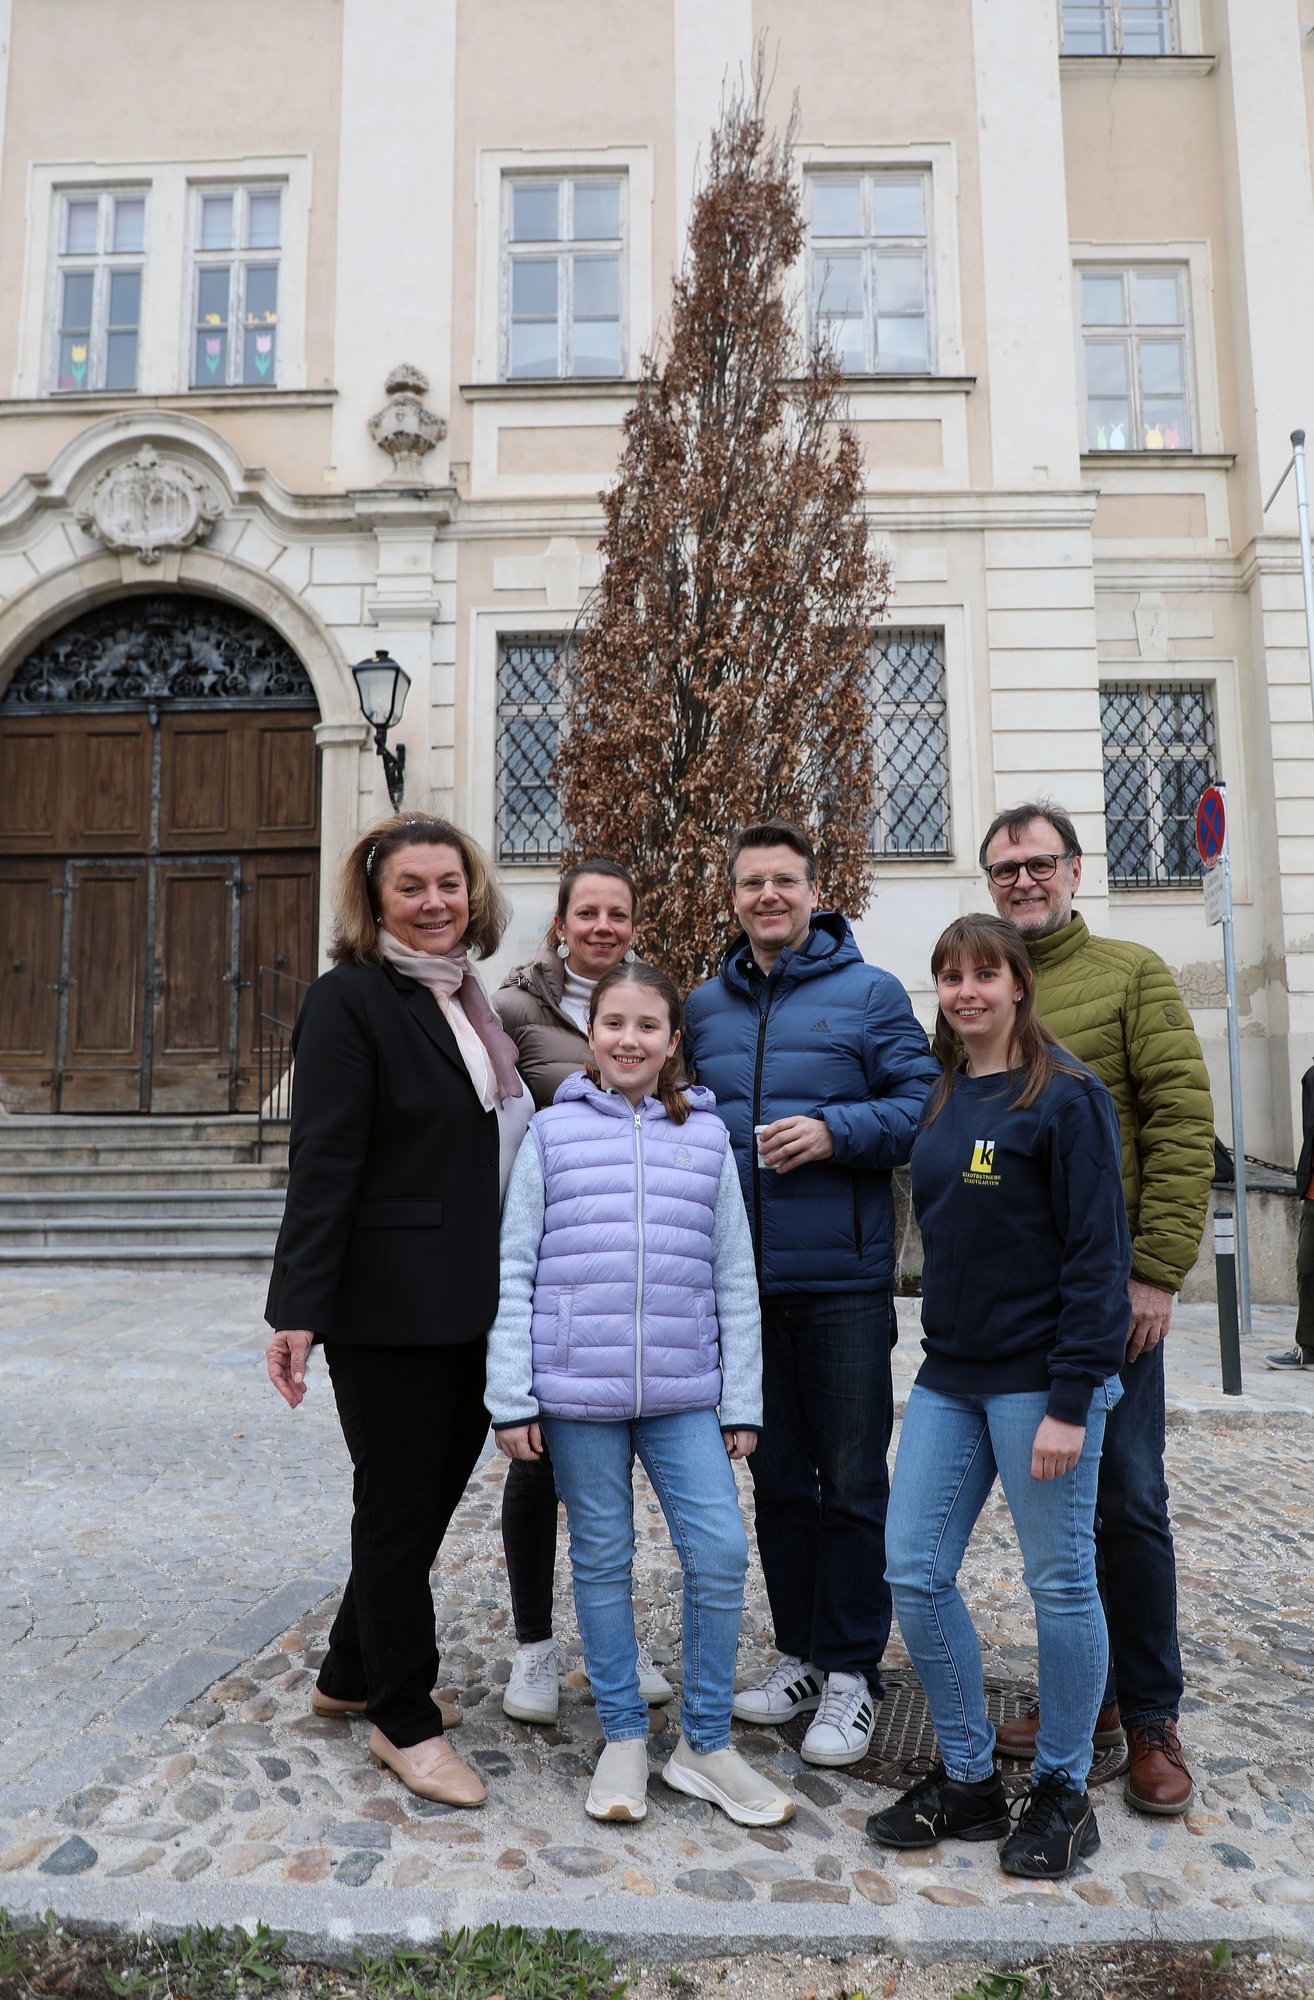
382,687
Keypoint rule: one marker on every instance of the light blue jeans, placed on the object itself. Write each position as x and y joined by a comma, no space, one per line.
684,1457
949,1453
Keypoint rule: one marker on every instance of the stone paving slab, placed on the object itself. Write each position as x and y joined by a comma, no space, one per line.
171,1543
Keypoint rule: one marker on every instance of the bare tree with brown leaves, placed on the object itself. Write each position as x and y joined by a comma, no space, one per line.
722,670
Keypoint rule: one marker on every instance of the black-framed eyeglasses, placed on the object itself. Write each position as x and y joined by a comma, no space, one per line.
1038,866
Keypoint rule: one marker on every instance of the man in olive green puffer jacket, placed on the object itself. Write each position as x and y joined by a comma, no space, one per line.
1115,1006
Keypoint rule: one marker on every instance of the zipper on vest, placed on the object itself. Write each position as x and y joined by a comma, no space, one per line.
638,1284
752,1136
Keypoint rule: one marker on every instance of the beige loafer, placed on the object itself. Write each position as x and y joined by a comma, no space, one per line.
432,1770
328,1704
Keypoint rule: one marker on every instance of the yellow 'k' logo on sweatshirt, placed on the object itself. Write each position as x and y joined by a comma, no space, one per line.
982,1173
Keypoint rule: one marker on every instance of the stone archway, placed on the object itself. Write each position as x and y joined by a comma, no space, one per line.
159,839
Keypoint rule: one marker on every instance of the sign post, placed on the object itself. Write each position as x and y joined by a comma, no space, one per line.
1211,839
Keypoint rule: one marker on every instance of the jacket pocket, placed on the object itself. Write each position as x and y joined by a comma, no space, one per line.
709,1332
405,1214
857,1215
561,1354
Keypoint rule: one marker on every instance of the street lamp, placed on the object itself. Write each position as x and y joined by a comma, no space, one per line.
382,686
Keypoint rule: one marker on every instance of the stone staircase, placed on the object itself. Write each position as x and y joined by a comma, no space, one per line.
169,1192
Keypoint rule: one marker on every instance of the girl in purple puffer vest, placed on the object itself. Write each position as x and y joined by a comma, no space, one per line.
628,1324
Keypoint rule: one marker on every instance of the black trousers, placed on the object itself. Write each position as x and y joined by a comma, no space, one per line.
414,1420
529,1537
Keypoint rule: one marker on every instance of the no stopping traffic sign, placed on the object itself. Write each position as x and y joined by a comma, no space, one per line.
1211,825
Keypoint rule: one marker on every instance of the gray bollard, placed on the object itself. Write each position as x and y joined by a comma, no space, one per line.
1229,1328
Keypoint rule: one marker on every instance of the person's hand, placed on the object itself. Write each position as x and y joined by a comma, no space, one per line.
740,1444
1056,1448
1152,1310
793,1142
523,1441
285,1358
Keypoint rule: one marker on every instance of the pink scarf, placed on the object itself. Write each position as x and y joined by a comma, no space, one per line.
451,978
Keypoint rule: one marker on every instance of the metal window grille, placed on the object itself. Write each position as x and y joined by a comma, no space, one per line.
1158,757
910,729
531,703
1119,27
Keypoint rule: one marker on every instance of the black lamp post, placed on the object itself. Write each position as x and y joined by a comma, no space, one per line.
382,687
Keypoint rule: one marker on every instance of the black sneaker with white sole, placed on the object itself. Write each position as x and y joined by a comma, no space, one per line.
938,1808
1055,1829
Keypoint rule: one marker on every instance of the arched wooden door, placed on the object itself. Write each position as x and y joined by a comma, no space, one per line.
159,839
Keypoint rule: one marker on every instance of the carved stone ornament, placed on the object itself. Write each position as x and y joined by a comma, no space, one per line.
404,428
145,504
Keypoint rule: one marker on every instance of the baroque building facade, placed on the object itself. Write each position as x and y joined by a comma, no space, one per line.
322,324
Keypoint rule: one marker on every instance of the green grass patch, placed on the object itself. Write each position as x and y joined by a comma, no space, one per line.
495,1963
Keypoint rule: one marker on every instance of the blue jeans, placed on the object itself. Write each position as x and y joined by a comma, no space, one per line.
820,1476
1134,1544
684,1457
949,1453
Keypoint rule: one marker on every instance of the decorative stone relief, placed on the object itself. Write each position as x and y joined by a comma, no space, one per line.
404,428
145,504
136,651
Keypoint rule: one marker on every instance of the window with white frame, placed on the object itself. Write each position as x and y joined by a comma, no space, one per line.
868,270
100,263
563,276
1134,340
910,733
1158,758
237,243
531,705
1119,27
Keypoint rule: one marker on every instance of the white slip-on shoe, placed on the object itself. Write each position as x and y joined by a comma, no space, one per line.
654,1687
533,1693
793,1687
620,1782
841,1730
729,1781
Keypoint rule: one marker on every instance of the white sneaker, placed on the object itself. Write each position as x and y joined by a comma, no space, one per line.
533,1693
793,1687
842,1728
620,1782
729,1781
653,1684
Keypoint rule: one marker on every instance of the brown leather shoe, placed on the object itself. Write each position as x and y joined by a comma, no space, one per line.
328,1704
1018,1737
432,1770
1157,1778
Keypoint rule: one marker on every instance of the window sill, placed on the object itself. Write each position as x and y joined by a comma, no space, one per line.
910,384
1202,65
1203,461
921,857
558,388
1154,892
177,399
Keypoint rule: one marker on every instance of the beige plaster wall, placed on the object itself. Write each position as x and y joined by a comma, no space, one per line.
155,81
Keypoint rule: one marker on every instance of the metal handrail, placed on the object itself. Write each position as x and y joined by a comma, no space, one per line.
279,995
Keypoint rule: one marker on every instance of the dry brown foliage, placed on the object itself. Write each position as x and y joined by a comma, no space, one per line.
722,667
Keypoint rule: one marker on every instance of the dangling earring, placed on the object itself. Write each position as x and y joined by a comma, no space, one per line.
630,955
563,949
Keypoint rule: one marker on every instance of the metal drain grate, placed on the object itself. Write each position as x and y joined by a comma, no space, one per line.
904,1746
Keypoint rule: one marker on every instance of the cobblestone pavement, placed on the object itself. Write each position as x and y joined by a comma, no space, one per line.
171,1542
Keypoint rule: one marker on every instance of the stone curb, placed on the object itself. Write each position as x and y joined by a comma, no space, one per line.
332,1923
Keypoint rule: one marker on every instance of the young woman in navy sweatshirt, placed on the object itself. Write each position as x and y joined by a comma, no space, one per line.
1016,1175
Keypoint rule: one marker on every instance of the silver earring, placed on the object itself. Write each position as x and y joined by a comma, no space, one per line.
563,949
630,955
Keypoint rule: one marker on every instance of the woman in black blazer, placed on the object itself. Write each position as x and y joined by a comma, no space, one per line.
406,1114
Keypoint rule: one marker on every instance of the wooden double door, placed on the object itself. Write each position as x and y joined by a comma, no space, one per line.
148,865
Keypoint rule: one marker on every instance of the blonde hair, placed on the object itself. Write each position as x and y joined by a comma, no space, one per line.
356,904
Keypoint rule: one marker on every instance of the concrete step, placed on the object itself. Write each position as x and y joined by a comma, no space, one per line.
232,1176
255,1258
162,1143
143,1206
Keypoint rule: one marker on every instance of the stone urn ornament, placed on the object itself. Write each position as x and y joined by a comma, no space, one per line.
404,427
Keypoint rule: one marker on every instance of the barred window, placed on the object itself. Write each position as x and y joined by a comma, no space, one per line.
912,743
531,701
1158,758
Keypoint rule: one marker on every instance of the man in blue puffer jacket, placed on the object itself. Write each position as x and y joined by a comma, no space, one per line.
820,1055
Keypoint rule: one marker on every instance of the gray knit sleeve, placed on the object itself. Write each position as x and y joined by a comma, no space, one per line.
738,1313
509,1394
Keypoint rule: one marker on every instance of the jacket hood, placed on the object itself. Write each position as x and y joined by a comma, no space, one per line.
579,1085
829,944
544,975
